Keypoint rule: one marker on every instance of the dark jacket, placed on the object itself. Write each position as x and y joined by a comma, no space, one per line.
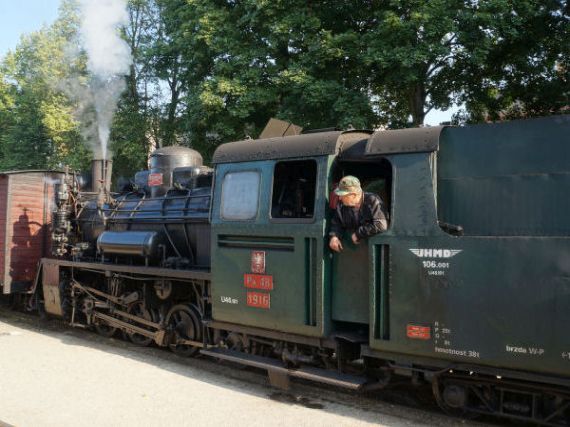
365,221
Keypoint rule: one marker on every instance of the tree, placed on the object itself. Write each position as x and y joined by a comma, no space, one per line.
42,131
211,71
132,134
247,61
6,111
426,55
522,59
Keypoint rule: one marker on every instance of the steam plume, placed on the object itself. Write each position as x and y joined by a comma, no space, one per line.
108,60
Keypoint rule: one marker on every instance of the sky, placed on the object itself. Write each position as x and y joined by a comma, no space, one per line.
435,117
18,17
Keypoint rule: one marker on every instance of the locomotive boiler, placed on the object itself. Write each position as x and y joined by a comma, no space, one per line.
467,290
159,219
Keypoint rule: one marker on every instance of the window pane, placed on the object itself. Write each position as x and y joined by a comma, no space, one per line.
240,194
294,185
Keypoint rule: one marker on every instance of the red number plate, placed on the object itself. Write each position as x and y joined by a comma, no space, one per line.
418,332
258,299
154,179
258,281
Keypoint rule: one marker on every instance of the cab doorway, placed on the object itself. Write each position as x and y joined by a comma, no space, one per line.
350,272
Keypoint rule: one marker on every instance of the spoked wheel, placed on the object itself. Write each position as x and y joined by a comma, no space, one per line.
138,309
184,322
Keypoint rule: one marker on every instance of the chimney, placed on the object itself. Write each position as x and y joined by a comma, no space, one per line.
101,171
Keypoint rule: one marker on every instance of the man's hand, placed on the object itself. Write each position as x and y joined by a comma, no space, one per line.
355,239
335,244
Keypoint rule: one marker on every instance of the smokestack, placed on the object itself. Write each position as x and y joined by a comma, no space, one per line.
101,170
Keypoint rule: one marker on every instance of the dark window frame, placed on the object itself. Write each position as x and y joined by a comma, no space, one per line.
310,220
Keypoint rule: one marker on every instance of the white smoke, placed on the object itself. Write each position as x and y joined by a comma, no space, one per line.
108,54
108,60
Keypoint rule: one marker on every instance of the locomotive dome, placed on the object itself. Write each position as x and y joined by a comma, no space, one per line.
164,160
177,151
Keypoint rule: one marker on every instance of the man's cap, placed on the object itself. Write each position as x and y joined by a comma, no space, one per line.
349,184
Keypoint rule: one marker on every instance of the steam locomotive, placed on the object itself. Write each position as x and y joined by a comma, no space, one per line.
468,290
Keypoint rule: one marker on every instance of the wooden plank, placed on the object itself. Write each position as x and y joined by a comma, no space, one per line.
30,196
3,216
26,188
6,276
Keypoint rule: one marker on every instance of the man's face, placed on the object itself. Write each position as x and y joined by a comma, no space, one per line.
350,199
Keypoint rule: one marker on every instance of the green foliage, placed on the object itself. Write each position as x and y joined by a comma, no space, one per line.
37,122
211,71
359,63
129,142
490,55
253,60
521,59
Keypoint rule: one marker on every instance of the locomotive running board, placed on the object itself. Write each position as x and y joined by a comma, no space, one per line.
278,374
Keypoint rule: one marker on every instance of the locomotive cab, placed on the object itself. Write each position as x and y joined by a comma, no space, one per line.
271,264
268,223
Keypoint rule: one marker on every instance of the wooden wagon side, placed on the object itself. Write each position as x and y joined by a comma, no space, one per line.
27,199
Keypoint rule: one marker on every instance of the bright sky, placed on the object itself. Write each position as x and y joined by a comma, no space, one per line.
435,117
19,17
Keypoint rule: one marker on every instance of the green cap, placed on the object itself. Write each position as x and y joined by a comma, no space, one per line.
349,184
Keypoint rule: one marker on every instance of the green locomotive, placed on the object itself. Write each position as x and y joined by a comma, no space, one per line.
468,289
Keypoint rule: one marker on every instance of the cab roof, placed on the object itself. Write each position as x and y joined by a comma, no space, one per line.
304,145
343,143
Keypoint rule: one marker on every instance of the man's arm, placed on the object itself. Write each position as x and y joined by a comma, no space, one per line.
335,232
336,224
378,222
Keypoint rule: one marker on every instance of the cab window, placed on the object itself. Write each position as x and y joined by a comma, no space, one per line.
294,184
240,195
